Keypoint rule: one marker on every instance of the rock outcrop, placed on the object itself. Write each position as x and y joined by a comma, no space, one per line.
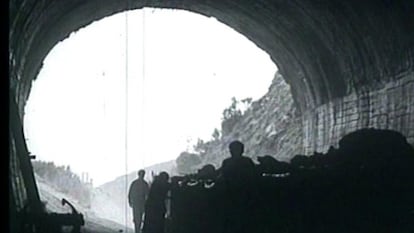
270,126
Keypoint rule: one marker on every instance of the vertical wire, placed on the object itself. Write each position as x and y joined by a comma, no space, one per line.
143,83
126,117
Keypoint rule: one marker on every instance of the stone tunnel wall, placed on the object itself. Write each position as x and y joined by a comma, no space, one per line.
389,107
333,53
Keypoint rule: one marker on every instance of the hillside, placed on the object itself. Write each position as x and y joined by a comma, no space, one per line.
110,200
268,126
52,197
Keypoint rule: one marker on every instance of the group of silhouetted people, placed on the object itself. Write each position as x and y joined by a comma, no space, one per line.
238,172
149,202
366,185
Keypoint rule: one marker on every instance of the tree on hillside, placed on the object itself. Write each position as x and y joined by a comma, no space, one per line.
216,134
232,110
200,147
63,179
231,115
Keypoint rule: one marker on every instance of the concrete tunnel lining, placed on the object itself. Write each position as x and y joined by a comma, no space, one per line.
350,64
326,50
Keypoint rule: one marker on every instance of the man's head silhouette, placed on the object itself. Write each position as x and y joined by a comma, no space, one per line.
141,173
163,176
236,148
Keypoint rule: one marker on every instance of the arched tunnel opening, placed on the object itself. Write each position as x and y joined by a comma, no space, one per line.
349,66
75,116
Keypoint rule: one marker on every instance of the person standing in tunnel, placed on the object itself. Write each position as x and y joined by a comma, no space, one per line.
239,175
155,207
138,193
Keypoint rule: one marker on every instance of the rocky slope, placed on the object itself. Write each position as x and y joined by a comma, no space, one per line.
110,199
270,126
94,222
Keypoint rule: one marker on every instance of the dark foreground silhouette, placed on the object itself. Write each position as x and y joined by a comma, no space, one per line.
155,206
137,196
366,185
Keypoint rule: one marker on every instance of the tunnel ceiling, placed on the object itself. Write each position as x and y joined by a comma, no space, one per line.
325,49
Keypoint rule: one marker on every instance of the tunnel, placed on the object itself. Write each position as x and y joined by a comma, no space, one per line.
350,64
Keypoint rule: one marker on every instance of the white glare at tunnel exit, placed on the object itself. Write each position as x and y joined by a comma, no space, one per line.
181,70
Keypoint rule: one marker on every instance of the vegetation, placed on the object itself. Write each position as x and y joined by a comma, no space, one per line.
188,162
233,113
64,180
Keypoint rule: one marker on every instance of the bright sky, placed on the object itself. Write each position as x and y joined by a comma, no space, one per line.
192,67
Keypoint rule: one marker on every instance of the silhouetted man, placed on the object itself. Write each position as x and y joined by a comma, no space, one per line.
137,196
239,174
155,207
238,170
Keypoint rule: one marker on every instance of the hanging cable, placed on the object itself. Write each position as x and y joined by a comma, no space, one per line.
126,116
143,81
